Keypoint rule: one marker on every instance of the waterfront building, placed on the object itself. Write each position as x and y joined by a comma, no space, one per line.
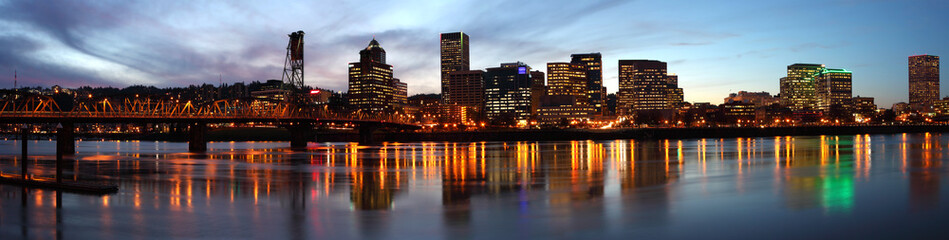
400,93
798,89
466,88
454,57
611,103
941,107
643,89
739,112
371,85
674,95
428,107
568,79
900,108
508,92
596,93
557,109
864,105
834,89
760,99
272,89
538,90
923,80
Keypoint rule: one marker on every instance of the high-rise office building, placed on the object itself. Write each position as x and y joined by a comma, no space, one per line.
371,86
674,95
834,88
798,89
538,90
508,92
467,88
568,79
864,106
400,92
454,57
642,86
923,79
593,62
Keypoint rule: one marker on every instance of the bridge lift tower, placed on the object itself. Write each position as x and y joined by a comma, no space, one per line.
293,67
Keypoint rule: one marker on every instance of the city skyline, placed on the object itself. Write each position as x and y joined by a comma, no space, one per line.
74,44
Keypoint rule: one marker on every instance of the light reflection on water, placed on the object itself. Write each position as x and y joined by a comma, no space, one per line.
784,187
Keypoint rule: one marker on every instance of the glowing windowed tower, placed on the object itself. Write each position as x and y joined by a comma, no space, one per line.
293,67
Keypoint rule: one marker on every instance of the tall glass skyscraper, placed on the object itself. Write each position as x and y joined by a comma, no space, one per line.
799,88
593,63
642,86
923,79
454,51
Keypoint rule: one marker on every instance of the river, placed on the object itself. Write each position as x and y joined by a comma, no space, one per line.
874,186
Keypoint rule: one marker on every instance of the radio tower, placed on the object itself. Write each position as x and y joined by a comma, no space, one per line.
293,67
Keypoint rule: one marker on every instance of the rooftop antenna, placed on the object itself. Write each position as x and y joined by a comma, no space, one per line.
14,79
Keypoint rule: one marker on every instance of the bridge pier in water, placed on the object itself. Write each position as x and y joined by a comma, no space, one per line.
365,133
300,135
66,138
197,137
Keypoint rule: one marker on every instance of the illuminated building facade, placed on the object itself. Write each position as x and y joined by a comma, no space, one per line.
739,112
674,95
941,107
642,86
371,86
760,99
834,88
454,57
508,92
556,109
798,89
568,79
864,105
596,93
400,92
923,79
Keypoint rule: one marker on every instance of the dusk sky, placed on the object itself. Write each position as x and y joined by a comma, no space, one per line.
715,48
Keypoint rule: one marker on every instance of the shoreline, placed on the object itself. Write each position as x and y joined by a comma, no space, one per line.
631,133
279,134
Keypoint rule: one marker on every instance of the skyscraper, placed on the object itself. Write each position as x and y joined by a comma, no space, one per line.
593,62
538,90
467,88
400,92
371,86
674,95
454,51
798,89
923,79
568,79
834,88
507,91
642,86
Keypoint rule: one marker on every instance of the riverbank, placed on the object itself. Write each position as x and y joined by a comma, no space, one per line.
632,133
281,134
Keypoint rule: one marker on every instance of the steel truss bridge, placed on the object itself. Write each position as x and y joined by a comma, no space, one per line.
27,108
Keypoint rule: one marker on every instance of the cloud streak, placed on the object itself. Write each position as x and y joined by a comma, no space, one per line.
170,43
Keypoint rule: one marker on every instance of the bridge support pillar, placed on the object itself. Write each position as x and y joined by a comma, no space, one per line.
197,141
66,138
365,133
300,135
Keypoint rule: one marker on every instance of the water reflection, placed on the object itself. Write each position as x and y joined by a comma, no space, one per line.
258,189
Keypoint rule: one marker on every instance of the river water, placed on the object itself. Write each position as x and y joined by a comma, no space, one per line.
876,186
